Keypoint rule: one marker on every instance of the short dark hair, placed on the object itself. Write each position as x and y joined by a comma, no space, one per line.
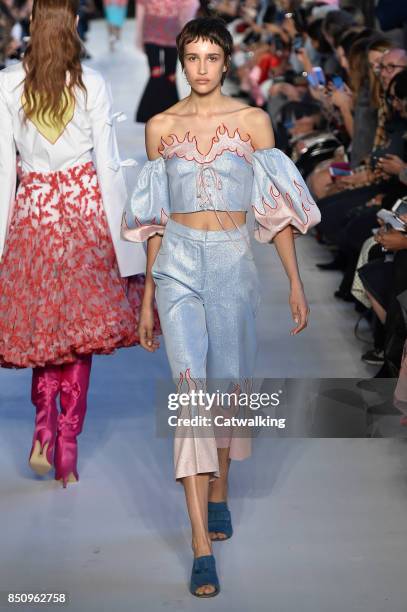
206,28
314,31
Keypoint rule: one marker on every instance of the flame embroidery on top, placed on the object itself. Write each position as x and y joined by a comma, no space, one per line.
222,141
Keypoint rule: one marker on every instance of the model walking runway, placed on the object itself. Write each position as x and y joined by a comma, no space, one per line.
305,511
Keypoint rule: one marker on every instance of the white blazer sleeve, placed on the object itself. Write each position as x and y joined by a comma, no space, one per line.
8,165
131,257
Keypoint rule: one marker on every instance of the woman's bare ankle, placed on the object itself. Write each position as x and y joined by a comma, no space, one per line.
217,494
201,546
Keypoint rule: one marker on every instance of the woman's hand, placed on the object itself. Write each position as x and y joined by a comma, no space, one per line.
145,328
354,180
391,240
342,98
391,164
299,308
376,201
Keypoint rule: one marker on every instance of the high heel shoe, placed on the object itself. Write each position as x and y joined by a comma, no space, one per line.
219,520
204,573
74,389
44,392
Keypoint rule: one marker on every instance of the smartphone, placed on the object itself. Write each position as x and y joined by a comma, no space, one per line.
339,169
400,206
391,219
401,221
319,73
333,171
338,82
312,80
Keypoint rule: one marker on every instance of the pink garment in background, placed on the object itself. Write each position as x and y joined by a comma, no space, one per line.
164,19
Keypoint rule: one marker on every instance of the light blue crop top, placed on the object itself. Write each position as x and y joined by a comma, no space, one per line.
232,176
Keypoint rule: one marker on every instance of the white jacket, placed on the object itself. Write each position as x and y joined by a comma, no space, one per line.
89,135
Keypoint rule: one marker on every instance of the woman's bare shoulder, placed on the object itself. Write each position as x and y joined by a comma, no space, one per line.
256,118
157,125
257,123
157,128
163,123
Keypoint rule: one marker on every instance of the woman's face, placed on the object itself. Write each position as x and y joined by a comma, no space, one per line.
204,65
374,59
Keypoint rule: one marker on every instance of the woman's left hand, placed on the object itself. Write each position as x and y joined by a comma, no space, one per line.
299,308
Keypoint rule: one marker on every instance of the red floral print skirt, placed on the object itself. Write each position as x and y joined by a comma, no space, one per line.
61,294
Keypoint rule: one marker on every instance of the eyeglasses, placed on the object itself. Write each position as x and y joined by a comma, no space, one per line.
390,67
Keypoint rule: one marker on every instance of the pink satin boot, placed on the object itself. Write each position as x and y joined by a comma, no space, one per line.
46,383
74,390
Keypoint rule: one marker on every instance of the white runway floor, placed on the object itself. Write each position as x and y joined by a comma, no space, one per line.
320,524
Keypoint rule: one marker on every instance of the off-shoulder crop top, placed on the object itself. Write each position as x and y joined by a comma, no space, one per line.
232,176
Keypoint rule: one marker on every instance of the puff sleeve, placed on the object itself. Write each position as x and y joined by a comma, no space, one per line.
148,209
280,196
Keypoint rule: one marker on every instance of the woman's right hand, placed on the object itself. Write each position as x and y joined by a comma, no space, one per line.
145,328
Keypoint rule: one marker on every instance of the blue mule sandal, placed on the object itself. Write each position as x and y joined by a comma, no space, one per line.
204,573
219,520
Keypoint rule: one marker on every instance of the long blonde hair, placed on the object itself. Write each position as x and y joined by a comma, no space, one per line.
53,54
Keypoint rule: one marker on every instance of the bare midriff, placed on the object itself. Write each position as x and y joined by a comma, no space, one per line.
210,221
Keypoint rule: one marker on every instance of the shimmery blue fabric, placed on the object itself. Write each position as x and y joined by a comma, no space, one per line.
207,292
223,184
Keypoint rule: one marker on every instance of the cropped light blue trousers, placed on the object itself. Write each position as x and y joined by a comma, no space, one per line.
207,293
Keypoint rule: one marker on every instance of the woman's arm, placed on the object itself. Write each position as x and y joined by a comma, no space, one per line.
342,99
153,132
262,136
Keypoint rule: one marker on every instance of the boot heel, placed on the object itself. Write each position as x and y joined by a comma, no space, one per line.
66,452
38,459
64,480
45,388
